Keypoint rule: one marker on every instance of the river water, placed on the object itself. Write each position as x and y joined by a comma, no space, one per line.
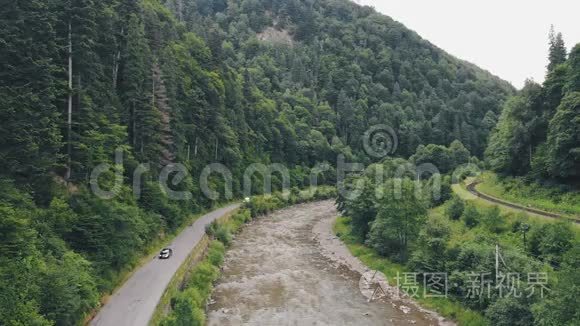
275,274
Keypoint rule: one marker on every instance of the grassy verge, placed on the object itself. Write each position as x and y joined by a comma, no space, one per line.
184,300
444,306
548,198
510,217
183,273
509,213
461,191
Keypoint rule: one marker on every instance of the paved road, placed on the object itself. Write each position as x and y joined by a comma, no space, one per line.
134,303
472,189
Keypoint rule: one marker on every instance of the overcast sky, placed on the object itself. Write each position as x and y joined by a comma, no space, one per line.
507,37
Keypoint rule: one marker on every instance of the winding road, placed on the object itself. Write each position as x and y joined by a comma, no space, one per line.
472,188
134,303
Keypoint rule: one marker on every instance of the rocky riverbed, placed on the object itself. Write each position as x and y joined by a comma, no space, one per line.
289,269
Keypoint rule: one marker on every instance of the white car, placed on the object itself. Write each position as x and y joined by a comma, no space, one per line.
165,253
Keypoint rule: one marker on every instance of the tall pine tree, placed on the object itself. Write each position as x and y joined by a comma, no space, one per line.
557,54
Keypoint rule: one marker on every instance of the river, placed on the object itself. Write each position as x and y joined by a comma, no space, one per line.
278,272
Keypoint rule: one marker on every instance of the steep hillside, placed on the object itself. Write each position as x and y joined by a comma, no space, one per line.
368,68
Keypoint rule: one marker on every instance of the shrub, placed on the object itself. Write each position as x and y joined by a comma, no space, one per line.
190,294
455,208
262,205
471,216
224,235
510,311
560,307
187,310
325,192
295,195
493,220
244,216
552,241
202,278
211,229
216,252
430,251
219,231
237,220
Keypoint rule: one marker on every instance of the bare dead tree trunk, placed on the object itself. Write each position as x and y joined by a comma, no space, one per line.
134,124
153,88
70,99
180,9
116,63
216,148
162,107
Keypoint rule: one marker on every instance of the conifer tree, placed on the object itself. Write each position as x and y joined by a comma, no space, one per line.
557,54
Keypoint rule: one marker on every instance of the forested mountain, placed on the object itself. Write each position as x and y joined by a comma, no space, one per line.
196,81
542,123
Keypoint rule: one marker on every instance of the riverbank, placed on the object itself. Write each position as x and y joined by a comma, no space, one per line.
445,310
275,272
335,249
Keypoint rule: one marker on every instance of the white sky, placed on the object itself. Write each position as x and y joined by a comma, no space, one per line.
507,37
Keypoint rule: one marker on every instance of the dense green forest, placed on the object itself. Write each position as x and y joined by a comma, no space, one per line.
535,150
425,232
195,82
538,134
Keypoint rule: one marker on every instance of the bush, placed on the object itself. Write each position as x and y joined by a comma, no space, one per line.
510,311
471,216
215,253
187,310
295,195
384,241
220,232
202,278
325,192
493,220
191,295
224,235
211,229
552,241
455,208
262,205
430,251
242,217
